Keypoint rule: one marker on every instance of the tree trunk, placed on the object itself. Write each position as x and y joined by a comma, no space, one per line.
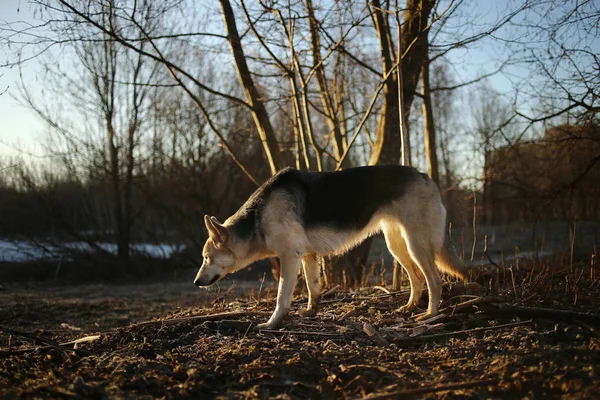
121,232
414,46
259,112
387,138
107,96
430,136
327,99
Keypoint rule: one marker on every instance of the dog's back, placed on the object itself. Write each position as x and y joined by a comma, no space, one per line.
343,200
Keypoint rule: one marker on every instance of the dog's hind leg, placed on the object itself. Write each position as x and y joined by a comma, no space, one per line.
311,266
397,246
422,252
290,266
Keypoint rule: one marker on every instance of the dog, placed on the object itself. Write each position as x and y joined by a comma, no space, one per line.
302,216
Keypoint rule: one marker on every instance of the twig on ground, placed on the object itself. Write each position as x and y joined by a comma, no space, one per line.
474,330
340,300
435,318
330,291
381,296
302,333
374,335
85,339
536,312
207,317
472,302
432,389
45,343
384,290
241,326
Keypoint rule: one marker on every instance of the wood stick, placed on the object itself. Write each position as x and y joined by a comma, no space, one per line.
432,389
472,302
207,317
381,296
30,336
330,291
454,333
374,335
46,343
384,290
305,333
241,326
536,312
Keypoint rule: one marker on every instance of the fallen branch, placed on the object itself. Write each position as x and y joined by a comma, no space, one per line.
374,297
207,317
43,342
374,335
302,333
381,296
435,318
535,312
472,302
241,326
432,389
30,336
346,314
330,291
384,290
86,339
474,330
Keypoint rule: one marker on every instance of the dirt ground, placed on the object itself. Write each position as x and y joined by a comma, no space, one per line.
530,332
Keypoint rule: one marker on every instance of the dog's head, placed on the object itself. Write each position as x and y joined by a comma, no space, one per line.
218,258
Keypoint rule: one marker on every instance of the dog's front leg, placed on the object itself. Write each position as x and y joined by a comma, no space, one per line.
290,267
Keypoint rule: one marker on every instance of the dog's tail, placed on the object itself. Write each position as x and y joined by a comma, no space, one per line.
447,261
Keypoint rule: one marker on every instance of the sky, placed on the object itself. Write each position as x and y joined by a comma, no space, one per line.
20,129
21,132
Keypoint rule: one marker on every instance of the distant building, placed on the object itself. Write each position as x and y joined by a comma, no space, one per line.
556,178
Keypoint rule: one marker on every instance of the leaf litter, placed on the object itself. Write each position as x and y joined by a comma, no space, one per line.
538,339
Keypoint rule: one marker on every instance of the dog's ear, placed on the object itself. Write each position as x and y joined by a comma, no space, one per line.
216,230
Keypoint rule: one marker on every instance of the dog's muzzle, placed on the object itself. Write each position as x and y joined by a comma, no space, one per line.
205,282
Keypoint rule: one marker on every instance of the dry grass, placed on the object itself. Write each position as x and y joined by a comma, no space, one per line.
529,329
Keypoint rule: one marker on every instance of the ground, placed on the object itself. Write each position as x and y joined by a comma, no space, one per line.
529,332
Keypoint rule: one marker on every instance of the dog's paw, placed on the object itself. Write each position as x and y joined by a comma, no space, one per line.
424,316
307,312
266,326
406,309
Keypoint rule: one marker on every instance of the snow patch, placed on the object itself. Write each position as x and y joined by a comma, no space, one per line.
25,251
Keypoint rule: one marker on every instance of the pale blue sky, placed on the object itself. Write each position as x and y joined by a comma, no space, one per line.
21,129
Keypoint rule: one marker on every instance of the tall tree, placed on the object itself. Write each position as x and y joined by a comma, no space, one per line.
112,90
414,53
429,125
255,99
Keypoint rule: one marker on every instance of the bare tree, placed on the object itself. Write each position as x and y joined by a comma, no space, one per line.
261,118
429,124
413,38
561,50
113,87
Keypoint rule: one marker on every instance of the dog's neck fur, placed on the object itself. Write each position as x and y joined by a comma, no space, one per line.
247,250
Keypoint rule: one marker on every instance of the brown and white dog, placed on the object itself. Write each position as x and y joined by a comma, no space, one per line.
301,216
